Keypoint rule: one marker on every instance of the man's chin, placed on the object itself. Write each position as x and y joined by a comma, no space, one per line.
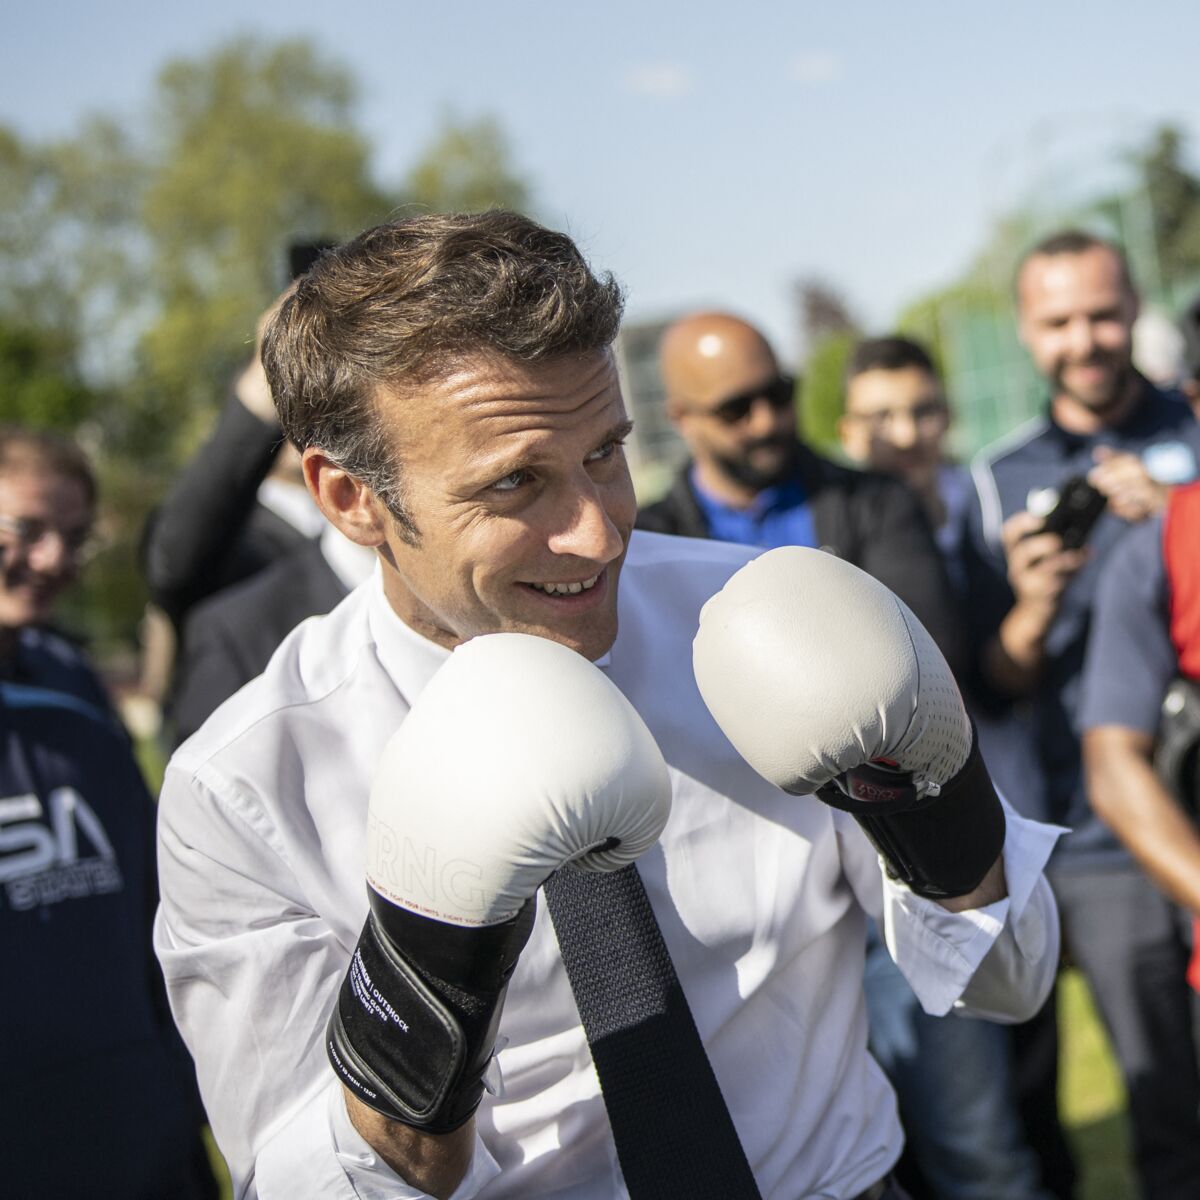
16,614
591,643
1101,396
590,633
763,470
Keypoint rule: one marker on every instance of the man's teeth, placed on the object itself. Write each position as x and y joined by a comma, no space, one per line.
566,589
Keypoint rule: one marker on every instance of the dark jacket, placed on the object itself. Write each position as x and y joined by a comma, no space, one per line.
870,520
99,1096
230,637
210,532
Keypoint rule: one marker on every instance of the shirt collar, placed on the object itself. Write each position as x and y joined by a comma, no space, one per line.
350,562
409,658
291,502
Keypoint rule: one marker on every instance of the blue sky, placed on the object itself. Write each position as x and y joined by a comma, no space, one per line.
708,154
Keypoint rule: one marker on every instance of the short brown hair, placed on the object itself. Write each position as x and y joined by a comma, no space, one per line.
891,353
41,452
1076,241
405,300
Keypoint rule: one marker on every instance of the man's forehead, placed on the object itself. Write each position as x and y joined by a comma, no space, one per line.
469,368
730,366
1048,277
490,396
701,353
35,481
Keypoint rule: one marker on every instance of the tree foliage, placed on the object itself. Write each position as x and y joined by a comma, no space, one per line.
250,147
828,332
136,255
152,245
39,382
821,394
466,168
970,323
1172,190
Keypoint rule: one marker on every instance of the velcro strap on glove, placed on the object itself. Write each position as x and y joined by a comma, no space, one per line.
413,1045
940,846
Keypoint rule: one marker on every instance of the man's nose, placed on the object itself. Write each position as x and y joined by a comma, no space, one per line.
764,419
1080,338
589,532
902,430
50,552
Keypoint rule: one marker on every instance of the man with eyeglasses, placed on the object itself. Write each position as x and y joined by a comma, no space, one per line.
751,480
47,506
953,1078
89,1046
895,419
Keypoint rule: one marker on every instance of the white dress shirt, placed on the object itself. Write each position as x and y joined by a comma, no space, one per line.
761,898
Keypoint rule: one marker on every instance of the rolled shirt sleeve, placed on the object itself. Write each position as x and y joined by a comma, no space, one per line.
247,965
997,962
318,1152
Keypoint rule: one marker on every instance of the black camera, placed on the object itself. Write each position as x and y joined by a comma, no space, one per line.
1078,509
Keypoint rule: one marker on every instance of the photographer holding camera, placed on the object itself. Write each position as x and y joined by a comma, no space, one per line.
1034,569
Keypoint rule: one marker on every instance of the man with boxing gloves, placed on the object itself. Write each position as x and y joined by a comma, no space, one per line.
472,722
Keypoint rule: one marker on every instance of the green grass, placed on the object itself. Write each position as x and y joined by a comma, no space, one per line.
218,1166
1091,1097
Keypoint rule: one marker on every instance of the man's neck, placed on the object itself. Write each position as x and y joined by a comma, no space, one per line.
8,648
1076,417
931,499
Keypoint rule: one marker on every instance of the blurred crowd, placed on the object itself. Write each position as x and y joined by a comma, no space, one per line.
1059,572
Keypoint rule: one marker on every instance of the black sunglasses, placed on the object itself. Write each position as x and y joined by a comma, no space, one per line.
779,394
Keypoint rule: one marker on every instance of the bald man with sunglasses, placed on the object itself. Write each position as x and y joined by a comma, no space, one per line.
751,480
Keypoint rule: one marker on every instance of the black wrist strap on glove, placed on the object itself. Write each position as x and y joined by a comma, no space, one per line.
940,846
415,1021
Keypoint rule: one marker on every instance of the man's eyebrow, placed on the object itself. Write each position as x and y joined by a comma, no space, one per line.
619,432
499,467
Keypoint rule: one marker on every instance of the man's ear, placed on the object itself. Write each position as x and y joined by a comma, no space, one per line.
1134,303
845,434
348,504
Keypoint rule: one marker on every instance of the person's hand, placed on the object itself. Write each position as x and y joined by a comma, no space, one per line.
826,683
1132,494
1039,569
251,386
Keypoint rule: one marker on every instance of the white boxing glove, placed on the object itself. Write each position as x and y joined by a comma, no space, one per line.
519,757
825,682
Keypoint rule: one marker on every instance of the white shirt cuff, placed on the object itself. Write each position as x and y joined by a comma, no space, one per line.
320,1153
373,1179
940,951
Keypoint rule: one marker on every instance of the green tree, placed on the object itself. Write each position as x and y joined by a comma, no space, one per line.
466,168
39,381
1171,193
828,331
137,255
821,391
251,146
